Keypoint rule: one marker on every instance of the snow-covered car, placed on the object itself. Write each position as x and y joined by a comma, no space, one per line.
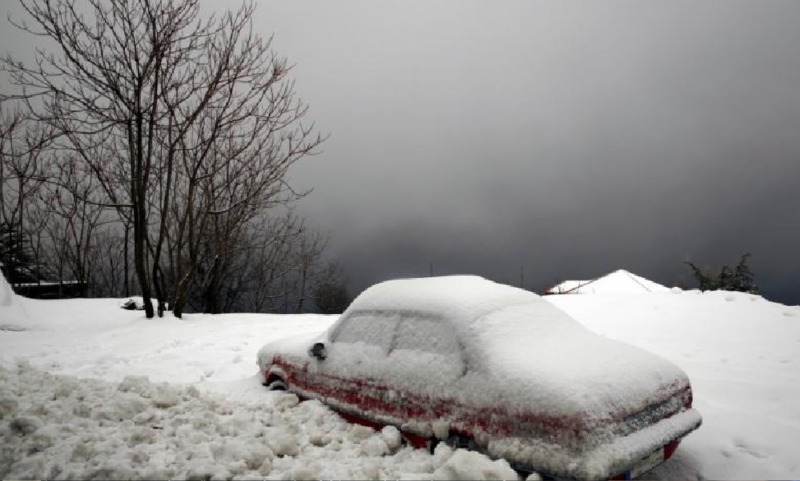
492,368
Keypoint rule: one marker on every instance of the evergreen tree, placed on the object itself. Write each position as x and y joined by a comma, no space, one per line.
739,278
17,261
744,279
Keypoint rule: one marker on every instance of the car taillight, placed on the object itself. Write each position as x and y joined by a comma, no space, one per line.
670,448
688,398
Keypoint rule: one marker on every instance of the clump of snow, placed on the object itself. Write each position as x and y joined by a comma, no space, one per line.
464,464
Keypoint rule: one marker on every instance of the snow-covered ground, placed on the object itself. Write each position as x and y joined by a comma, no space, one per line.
88,390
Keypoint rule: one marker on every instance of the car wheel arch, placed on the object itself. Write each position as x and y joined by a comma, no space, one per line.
274,374
276,383
455,440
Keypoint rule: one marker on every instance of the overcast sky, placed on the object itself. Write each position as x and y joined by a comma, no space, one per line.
567,138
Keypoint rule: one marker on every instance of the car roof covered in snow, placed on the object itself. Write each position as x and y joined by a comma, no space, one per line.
470,304
460,299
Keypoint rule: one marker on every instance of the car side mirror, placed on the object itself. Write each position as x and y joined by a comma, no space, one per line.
318,351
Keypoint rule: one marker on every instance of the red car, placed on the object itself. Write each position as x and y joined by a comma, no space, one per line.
492,368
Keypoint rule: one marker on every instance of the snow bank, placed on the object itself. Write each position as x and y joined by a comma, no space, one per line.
61,427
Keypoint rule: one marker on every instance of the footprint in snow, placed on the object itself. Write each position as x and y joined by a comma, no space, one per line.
788,314
742,447
11,328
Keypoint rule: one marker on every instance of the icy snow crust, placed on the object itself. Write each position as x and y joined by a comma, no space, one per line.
523,378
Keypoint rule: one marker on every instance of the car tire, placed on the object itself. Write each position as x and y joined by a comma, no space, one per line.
276,384
459,441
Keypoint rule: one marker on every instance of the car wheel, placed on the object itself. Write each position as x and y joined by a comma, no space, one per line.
276,384
459,441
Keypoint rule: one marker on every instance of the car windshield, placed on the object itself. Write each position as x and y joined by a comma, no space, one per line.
373,328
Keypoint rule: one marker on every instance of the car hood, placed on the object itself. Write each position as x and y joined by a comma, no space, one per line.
296,347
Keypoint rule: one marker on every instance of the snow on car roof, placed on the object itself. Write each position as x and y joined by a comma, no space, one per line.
456,298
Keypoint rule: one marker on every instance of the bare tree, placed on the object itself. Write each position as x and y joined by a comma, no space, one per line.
269,252
108,270
307,260
187,124
331,295
74,219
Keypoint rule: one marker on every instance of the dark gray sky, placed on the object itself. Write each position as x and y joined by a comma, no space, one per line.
569,138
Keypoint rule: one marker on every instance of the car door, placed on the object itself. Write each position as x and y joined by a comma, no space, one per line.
427,362
352,375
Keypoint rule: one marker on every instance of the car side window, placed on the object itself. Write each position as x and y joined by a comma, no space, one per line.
373,328
426,348
426,334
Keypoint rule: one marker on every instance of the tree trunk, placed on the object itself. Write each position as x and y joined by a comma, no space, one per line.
140,261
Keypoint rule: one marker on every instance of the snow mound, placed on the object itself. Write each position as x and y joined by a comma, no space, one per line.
617,282
463,464
11,311
61,427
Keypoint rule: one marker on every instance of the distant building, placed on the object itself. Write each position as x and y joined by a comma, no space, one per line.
617,282
51,290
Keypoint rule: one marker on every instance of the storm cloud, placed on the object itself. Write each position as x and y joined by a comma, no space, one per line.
566,139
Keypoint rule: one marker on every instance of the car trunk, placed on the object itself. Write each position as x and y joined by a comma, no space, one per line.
580,405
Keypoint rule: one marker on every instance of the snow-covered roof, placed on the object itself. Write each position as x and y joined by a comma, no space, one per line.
454,297
617,282
566,286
